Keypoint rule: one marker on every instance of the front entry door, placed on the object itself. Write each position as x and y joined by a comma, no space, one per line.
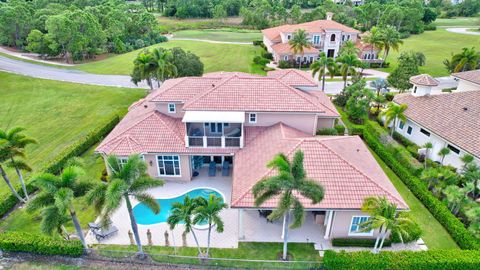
331,53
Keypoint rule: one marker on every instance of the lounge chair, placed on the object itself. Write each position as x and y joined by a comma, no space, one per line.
105,233
212,169
226,168
96,226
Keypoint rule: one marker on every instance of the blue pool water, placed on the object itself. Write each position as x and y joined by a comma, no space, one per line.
145,216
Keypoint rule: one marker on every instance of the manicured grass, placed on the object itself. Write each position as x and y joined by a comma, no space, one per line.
56,113
45,266
437,46
459,21
215,57
232,35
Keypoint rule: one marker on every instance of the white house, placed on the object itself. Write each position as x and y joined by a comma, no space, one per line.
468,80
449,120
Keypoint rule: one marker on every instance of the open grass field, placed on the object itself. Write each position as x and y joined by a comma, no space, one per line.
169,24
56,113
225,34
459,21
437,46
215,57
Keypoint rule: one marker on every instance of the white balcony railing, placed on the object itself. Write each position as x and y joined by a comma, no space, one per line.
208,141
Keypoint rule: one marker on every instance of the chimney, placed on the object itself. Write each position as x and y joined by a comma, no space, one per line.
330,16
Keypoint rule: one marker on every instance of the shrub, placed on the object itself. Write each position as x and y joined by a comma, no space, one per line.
389,96
139,43
340,129
284,64
404,35
327,131
267,55
39,244
260,60
357,242
430,27
257,42
419,260
377,65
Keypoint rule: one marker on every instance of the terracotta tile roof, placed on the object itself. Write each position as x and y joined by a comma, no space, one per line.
293,77
343,165
424,79
225,74
318,26
285,48
182,89
471,76
453,116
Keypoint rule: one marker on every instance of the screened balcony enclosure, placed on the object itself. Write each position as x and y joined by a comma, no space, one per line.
214,135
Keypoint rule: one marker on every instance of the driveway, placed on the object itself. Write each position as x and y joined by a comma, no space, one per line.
463,30
66,75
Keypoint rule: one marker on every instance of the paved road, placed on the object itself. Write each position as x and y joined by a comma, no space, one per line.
463,30
67,75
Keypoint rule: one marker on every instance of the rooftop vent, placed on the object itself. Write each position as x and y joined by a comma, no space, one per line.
145,106
465,109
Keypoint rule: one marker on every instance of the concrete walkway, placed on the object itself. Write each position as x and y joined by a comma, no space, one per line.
463,30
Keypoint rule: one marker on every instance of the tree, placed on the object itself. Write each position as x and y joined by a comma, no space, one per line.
144,68
295,13
183,213
471,174
208,211
15,22
389,39
187,63
126,180
165,68
322,66
407,67
438,178
299,42
429,15
379,99
358,103
290,182
374,38
56,198
384,217
443,153
348,63
428,146
348,47
219,12
468,59
39,43
473,215
455,197
12,147
392,113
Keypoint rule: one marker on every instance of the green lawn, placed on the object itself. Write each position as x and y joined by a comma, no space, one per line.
232,35
215,57
56,113
437,46
459,21
44,266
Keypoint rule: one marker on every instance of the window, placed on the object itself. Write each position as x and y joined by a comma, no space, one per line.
289,37
171,107
409,130
332,37
252,118
285,58
215,127
454,149
425,132
122,161
316,39
299,58
311,58
168,165
401,124
415,89
356,228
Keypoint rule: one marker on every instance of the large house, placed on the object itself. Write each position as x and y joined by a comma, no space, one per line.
467,80
449,120
325,36
231,125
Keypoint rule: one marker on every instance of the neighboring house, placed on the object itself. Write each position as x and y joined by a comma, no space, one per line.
197,127
468,80
325,36
449,120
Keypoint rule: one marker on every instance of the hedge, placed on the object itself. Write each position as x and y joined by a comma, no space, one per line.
464,238
39,244
55,165
357,242
327,131
419,260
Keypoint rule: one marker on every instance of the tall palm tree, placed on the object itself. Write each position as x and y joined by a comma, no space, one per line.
443,153
299,42
56,198
348,63
385,218
348,47
455,197
12,146
392,113
322,66
126,180
468,59
428,147
183,213
290,182
165,69
390,39
208,211
438,178
144,68
374,39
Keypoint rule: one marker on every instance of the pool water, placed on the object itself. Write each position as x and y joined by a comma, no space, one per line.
145,216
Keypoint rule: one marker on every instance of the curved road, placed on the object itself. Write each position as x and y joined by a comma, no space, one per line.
463,30
66,75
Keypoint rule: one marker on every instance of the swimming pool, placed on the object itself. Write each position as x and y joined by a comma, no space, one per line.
145,216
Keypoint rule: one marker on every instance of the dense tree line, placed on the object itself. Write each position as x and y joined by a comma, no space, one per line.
446,9
76,29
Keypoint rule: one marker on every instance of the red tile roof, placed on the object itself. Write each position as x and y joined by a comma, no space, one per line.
285,48
343,165
424,79
452,116
471,76
293,77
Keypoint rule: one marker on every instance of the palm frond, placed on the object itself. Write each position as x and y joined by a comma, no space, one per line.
46,181
284,204
312,190
148,201
52,219
63,199
96,196
144,183
298,214
41,200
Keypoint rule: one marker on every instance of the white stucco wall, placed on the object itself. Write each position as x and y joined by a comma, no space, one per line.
467,86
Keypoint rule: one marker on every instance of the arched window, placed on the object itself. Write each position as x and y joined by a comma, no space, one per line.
332,37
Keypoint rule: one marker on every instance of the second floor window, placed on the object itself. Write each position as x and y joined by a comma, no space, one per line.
171,107
316,39
289,37
332,37
252,118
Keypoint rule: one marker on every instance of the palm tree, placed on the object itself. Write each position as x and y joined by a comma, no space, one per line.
322,66
208,211
390,39
144,68
468,59
385,218
374,39
455,197
379,99
348,47
12,146
56,198
428,146
126,180
290,182
182,213
165,69
392,113
348,64
438,178
471,174
299,42
443,153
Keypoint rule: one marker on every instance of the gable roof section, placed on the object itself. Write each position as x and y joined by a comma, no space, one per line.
452,116
293,77
286,48
471,76
343,165
318,26
182,89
